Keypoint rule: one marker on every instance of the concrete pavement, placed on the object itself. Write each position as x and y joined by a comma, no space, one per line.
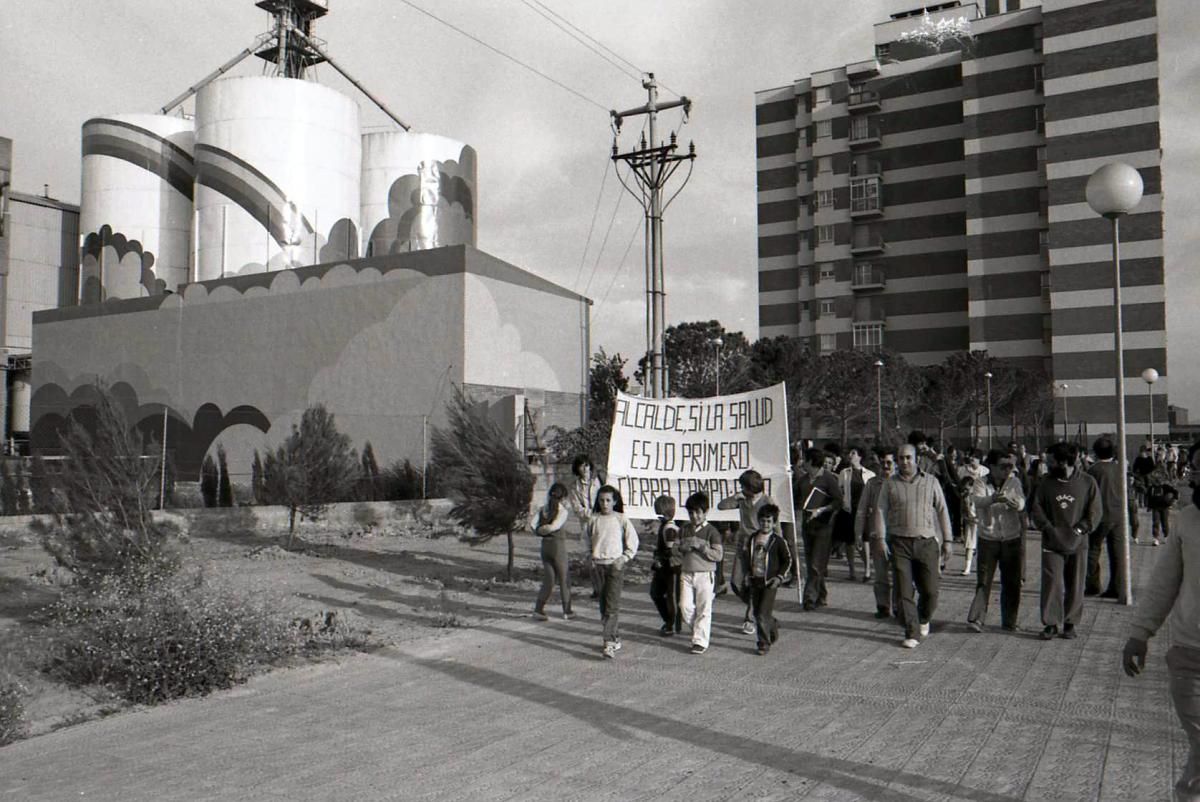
519,710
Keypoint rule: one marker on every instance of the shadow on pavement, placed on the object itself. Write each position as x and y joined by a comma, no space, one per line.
865,779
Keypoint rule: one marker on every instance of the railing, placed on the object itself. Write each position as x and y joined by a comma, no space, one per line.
865,97
865,205
864,133
869,242
865,167
866,276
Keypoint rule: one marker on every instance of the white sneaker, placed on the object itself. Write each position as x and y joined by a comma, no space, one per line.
616,645
610,649
748,628
924,630
910,643
966,570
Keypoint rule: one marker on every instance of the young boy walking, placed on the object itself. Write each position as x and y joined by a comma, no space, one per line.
664,571
699,551
770,563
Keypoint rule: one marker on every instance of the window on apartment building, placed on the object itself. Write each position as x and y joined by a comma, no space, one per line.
824,164
1041,160
863,128
824,129
828,343
883,52
824,198
1039,82
827,308
1046,285
868,336
1039,118
827,271
864,194
822,97
824,235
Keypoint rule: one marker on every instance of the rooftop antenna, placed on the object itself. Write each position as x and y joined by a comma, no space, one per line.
291,47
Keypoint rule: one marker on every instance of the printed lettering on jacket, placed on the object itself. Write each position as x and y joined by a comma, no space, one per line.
1065,500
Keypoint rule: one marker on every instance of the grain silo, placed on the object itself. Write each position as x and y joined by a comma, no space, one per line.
277,175
418,192
136,205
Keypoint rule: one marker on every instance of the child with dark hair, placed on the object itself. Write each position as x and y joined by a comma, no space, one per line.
611,543
699,550
748,501
664,570
548,524
1160,497
769,562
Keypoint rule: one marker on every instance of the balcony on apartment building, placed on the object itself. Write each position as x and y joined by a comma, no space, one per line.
862,100
867,276
862,69
866,241
865,168
866,198
864,132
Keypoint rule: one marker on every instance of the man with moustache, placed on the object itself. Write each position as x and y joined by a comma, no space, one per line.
1174,589
1066,509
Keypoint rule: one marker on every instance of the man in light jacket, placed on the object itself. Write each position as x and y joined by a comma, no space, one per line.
1174,589
998,502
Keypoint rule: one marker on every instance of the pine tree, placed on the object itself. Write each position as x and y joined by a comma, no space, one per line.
209,479
256,480
224,486
482,472
370,474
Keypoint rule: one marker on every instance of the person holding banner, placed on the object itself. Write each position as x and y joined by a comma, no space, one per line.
611,541
583,499
699,550
820,496
748,502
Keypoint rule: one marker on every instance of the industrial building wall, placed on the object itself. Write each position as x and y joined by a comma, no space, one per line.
236,361
43,263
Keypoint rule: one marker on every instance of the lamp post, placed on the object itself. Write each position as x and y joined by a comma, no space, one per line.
879,399
717,343
1063,387
1114,190
1150,376
988,377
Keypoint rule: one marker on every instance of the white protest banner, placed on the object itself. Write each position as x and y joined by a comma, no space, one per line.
679,446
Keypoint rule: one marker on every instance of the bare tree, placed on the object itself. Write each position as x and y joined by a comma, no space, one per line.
483,473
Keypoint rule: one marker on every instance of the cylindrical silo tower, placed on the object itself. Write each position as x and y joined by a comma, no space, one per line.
135,210
418,192
277,175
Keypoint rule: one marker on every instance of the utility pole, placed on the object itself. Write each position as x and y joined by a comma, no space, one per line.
652,164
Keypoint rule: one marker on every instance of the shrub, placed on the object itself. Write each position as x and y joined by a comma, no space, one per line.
224,486
163,638
10,489
401,482
12,711
102,498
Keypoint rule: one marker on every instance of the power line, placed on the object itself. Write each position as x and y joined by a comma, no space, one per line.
619,272
591,227
603,242
635,74
501,53
592,39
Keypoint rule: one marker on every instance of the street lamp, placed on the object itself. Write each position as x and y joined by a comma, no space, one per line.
879,399
1063,387
988,376
717,343
1114,190
1150,376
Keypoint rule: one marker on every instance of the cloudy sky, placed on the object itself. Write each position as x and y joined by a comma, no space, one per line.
545,178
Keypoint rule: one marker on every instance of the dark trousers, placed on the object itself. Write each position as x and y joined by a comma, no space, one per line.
554,572
1160,520
915,562
611,579
1063,576
1183,671
762,602
818,540
664,592
1007,555
1105,538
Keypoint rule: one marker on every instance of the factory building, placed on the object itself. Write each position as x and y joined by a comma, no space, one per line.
930,199
261,254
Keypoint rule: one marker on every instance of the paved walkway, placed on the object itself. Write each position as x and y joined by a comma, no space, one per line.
518,710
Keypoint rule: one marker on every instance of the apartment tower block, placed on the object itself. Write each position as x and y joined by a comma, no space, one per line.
931,199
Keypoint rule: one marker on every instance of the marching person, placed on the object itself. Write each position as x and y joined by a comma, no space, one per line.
852,481
664,571
612,542
548,524
886,603
912,521
819,495
769,561
1066,509
998,502
748,501
698,551
584,486
1108,535
1160,497
1174,590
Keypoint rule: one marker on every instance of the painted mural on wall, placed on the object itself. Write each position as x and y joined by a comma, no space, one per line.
120,263
431,208
379,342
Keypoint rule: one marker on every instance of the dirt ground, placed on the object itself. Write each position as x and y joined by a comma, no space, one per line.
390,584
